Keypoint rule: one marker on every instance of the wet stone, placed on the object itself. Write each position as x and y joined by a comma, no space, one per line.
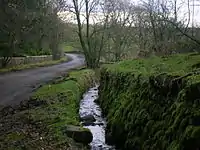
88,123
88,118
79,134
99,124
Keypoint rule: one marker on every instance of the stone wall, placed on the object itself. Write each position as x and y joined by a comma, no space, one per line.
15,61
152,110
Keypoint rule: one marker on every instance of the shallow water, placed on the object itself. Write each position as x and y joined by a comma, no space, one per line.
89,107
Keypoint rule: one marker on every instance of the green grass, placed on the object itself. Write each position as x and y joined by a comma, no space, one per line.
179,64
62,102
58,107
63,99
36,65
68,48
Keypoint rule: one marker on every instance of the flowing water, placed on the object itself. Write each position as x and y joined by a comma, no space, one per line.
89,107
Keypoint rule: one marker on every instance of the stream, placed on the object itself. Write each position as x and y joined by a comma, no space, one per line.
89,107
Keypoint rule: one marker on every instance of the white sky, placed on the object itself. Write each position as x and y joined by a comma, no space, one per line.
182,14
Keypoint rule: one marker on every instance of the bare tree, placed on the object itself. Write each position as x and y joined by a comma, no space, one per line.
114,27
120,24
186,26
160,22
91,30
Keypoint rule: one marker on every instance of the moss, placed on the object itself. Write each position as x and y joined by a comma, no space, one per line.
152,103
15,136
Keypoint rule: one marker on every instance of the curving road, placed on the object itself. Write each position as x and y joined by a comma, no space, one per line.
18,86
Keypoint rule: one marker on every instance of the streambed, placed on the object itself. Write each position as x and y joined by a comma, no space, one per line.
89,107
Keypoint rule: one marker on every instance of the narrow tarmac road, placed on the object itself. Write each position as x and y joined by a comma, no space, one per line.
18,86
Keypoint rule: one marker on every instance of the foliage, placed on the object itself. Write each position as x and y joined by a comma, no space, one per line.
152,103
35,52
70,36
29,25
40,123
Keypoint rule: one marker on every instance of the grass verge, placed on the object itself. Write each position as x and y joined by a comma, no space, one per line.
175,64
40,122
30,66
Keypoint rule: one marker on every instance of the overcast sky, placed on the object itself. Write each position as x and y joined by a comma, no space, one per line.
182,14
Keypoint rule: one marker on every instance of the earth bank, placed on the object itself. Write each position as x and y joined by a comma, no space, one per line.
152,103
42,121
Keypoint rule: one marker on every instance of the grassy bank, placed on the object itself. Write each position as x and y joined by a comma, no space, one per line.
40,122
35,65
67,48
70,49
152,103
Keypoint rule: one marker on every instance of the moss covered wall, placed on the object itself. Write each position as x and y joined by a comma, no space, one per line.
152,103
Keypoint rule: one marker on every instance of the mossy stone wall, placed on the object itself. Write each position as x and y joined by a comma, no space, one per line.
155,111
